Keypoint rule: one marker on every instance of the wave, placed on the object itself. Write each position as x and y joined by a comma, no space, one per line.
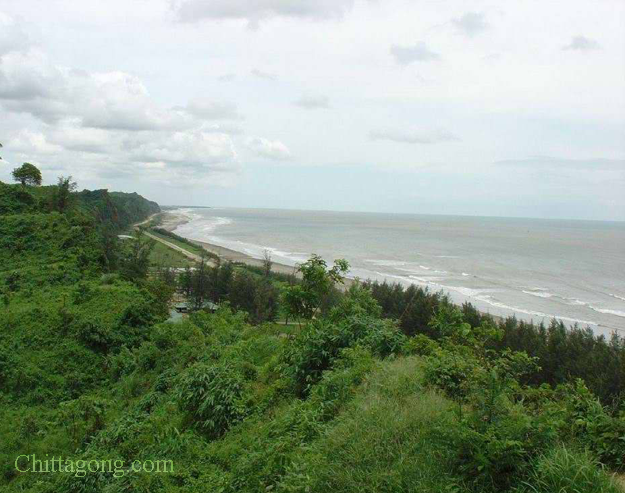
540,294
607,311
386,263
482,296
617,296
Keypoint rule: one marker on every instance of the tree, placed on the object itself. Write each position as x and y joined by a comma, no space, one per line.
200,283
135,256
303,300
27,174
267,263
62,196
0,148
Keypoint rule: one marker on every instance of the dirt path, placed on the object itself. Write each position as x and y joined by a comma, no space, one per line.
186,253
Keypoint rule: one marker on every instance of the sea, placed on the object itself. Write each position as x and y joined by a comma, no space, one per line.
535,269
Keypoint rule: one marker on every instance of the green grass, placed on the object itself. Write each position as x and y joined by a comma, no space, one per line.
162,255
197,250
382,441
564,470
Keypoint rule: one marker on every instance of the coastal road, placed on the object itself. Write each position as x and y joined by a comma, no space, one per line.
186,253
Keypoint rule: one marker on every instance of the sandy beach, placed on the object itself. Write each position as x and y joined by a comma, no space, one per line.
170,221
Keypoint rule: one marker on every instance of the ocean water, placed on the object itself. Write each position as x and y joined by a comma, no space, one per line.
536,269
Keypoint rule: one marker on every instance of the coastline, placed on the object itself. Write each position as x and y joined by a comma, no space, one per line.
170,221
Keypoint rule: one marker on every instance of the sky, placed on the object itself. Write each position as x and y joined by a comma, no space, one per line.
503,108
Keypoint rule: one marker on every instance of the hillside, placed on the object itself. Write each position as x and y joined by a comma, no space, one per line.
346,400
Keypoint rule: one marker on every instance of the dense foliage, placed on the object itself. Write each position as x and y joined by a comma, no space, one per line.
385,389
564,354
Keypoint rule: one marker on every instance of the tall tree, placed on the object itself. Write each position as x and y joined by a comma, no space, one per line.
135,256
27,174
62,196
267,263
303,300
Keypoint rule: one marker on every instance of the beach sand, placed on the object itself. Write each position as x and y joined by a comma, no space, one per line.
170,221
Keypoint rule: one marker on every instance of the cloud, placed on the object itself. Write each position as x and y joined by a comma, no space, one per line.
471,23
582,43
255,11
213,110
227,77
414,136
269,149
555,162
419,52
192,149
106,124
223,128
313,102
30,83
13,37
264,75
26,141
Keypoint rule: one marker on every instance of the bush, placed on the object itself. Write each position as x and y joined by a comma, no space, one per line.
212,397
451,371
420,345
584,418
316,348
497,455
563,470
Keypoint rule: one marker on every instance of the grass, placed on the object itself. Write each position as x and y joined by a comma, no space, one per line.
197,250
564,470
382,442
168,257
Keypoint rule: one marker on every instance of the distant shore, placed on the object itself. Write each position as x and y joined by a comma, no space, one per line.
170,221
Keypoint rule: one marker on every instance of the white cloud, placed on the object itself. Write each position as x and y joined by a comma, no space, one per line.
269,149
227,77
13,37
213,110
191,149
582,43
313,102
107,124
414,136
264,75
27,141
72,137
30,83
471,23
419,52
255,11
590,164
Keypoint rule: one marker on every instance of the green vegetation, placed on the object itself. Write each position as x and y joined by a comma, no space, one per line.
381,389
181,242
162,256
27,174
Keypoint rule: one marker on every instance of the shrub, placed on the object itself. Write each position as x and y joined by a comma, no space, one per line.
564,470
585,419
421,345
212,397
497,455
451,371
316,348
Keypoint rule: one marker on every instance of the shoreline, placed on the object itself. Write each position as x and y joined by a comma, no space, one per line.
171,220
